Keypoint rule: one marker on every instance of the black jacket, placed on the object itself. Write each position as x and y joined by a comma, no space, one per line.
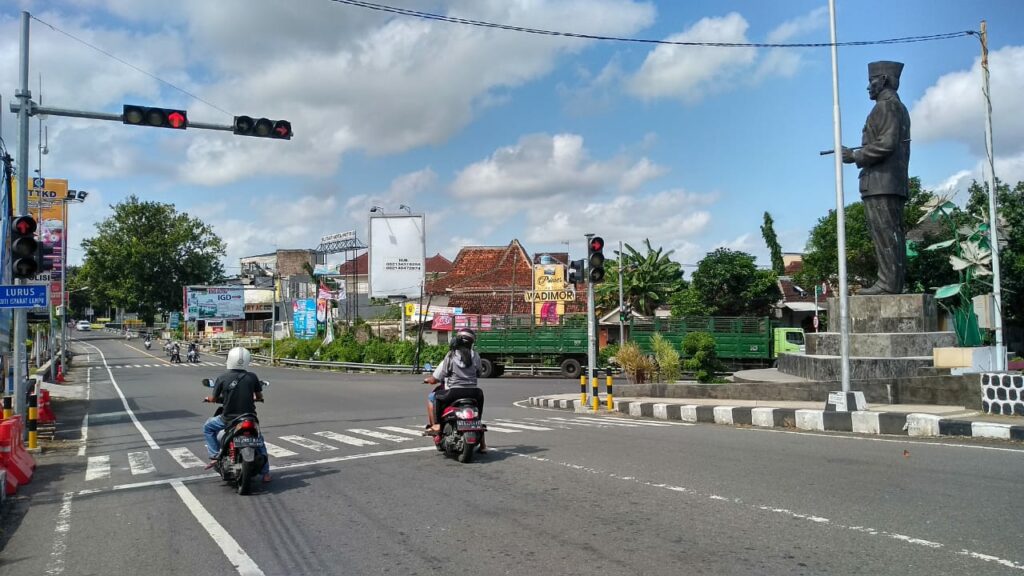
884,158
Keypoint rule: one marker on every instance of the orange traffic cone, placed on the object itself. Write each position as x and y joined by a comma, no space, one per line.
60,373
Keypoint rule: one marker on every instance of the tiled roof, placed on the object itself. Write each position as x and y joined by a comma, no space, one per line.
790,293
487,268
438,264
794,267
357,266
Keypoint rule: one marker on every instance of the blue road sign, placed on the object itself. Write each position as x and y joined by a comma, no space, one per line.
26,296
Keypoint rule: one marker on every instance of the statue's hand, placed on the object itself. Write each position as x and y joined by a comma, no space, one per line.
848,156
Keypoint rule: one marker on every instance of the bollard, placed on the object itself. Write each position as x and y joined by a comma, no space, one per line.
33,422
593,386
583,390
608,386
8,406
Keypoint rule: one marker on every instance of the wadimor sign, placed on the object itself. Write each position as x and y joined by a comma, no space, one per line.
549,295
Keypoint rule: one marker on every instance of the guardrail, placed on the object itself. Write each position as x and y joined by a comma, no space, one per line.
400,368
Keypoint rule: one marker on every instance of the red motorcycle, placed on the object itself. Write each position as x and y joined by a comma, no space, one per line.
462,431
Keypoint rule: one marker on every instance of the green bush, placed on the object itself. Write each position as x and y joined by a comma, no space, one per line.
433,353
378,351
607,353
667,358
702,357
637,365
403,352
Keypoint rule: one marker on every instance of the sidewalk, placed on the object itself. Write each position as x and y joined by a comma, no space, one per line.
900,419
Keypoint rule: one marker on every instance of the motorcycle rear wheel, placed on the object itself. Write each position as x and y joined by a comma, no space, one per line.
468,450
245,476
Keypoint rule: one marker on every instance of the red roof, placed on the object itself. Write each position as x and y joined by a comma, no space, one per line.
358,266
487,268
794,267
438,264
791,294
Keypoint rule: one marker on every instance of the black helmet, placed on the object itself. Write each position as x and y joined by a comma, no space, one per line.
464,338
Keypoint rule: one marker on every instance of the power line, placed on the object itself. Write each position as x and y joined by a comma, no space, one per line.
132,66
542,32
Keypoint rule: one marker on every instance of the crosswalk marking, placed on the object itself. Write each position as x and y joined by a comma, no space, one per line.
523,426
140,463
345,439
308,443
631,423
98,467
573,421
185,457
409,431
499,429
375,434
277,451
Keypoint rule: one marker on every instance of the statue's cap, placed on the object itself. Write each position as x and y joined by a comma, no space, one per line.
892,70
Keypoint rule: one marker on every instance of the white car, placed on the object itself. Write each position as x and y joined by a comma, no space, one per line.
83,326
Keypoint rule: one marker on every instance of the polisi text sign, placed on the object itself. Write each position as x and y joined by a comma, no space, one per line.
26,296
549,295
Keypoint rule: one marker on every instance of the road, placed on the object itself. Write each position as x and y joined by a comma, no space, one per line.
560,493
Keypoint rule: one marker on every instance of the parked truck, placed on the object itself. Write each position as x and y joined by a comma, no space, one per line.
518,340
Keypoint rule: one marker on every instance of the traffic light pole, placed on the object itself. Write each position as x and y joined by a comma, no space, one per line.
20,315
591,328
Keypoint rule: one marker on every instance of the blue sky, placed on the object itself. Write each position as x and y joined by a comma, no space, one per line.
496,135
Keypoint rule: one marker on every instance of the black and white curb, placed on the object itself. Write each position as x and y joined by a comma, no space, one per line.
860,422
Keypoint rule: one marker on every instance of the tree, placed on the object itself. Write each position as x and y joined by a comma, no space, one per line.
728,283
772,241
648,279
1010,205
145,253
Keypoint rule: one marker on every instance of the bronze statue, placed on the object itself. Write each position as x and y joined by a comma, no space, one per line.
883,158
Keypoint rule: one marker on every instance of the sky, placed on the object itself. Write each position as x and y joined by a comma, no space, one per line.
497,135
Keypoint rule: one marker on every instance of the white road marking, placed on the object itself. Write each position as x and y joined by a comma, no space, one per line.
60,537
611,422
140,463
97,467
228,545
142,430
185,457
345,439
375,434
85,434
502,430
573,421
400,430
107,416
523,426
276,451
137,365
309,444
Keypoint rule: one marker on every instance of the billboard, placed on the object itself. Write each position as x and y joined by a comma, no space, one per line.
304,318
397,255
214,303
550,292
46,197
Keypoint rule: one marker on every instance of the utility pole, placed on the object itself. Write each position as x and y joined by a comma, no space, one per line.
622,321
997,293
24,97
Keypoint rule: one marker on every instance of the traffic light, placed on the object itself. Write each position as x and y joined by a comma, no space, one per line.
595,259
44,257
24,247
154,117
263,128
576,268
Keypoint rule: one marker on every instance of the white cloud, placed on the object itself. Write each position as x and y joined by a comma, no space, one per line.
952,108
802,25
639,174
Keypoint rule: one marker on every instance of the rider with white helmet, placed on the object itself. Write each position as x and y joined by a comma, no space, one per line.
238,390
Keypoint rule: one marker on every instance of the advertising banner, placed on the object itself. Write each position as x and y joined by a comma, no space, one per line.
304,318
442,322
173,320
397,256
549,292
214,303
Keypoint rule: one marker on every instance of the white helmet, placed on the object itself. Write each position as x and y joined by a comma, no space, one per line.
238,358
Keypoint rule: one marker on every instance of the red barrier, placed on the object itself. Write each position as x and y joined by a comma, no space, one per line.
60,373
46,415
13,457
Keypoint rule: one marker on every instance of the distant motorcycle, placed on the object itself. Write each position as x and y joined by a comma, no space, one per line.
193,353
148,342
176,354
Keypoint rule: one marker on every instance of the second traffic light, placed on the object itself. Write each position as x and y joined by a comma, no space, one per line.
595,259
24,247
576,268
263,128
154,117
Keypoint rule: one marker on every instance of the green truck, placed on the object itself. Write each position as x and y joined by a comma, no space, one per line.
518,340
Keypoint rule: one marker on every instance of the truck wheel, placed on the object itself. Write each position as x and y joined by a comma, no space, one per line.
486,368
570,368
499,370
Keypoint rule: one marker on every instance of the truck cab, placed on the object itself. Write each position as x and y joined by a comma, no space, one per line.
788,341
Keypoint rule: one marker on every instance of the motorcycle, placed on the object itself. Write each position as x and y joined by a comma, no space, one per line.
176,354
148,343
241,455
462,431
193,355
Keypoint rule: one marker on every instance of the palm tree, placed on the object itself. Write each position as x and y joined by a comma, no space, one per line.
648,280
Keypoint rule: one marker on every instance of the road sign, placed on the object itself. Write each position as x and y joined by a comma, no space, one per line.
815,321
26,296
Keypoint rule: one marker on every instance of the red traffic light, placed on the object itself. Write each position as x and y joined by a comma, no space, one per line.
596,244
176,119
24,225
154,117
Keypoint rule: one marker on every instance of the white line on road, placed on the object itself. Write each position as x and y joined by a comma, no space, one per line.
142,430
309,444
400,430
345,439
523,426
140,463
185,457
60,536
500,429
276,451
375,434
85,434
97,467
228,545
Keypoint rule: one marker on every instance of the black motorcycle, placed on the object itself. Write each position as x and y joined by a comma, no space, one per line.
241,455
193,353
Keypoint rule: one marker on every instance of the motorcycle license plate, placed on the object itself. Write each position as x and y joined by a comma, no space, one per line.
469,425
241,441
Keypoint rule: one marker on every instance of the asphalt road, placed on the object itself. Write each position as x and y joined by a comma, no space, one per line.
355,491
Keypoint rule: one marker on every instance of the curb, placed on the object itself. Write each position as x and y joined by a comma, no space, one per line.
860,422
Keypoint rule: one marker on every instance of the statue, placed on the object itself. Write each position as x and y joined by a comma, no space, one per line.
883,157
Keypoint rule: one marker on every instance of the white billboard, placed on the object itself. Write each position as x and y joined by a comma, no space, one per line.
214,303
397,255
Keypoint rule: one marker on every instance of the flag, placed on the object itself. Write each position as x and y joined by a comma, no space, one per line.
329,337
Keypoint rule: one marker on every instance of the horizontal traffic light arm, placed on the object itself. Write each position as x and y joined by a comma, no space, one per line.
45,110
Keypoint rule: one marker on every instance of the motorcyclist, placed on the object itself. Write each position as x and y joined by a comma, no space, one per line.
237,390
148,341
455,378
193,351
176,353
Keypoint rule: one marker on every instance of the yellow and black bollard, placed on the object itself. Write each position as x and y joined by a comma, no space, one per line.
583,389
608,386
33,421
8,407
593,387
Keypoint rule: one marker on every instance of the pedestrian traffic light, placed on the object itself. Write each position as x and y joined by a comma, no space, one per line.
595,259
24,247
154,117
576,268
263,128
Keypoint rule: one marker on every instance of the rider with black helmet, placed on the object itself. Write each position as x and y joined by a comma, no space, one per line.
455,377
